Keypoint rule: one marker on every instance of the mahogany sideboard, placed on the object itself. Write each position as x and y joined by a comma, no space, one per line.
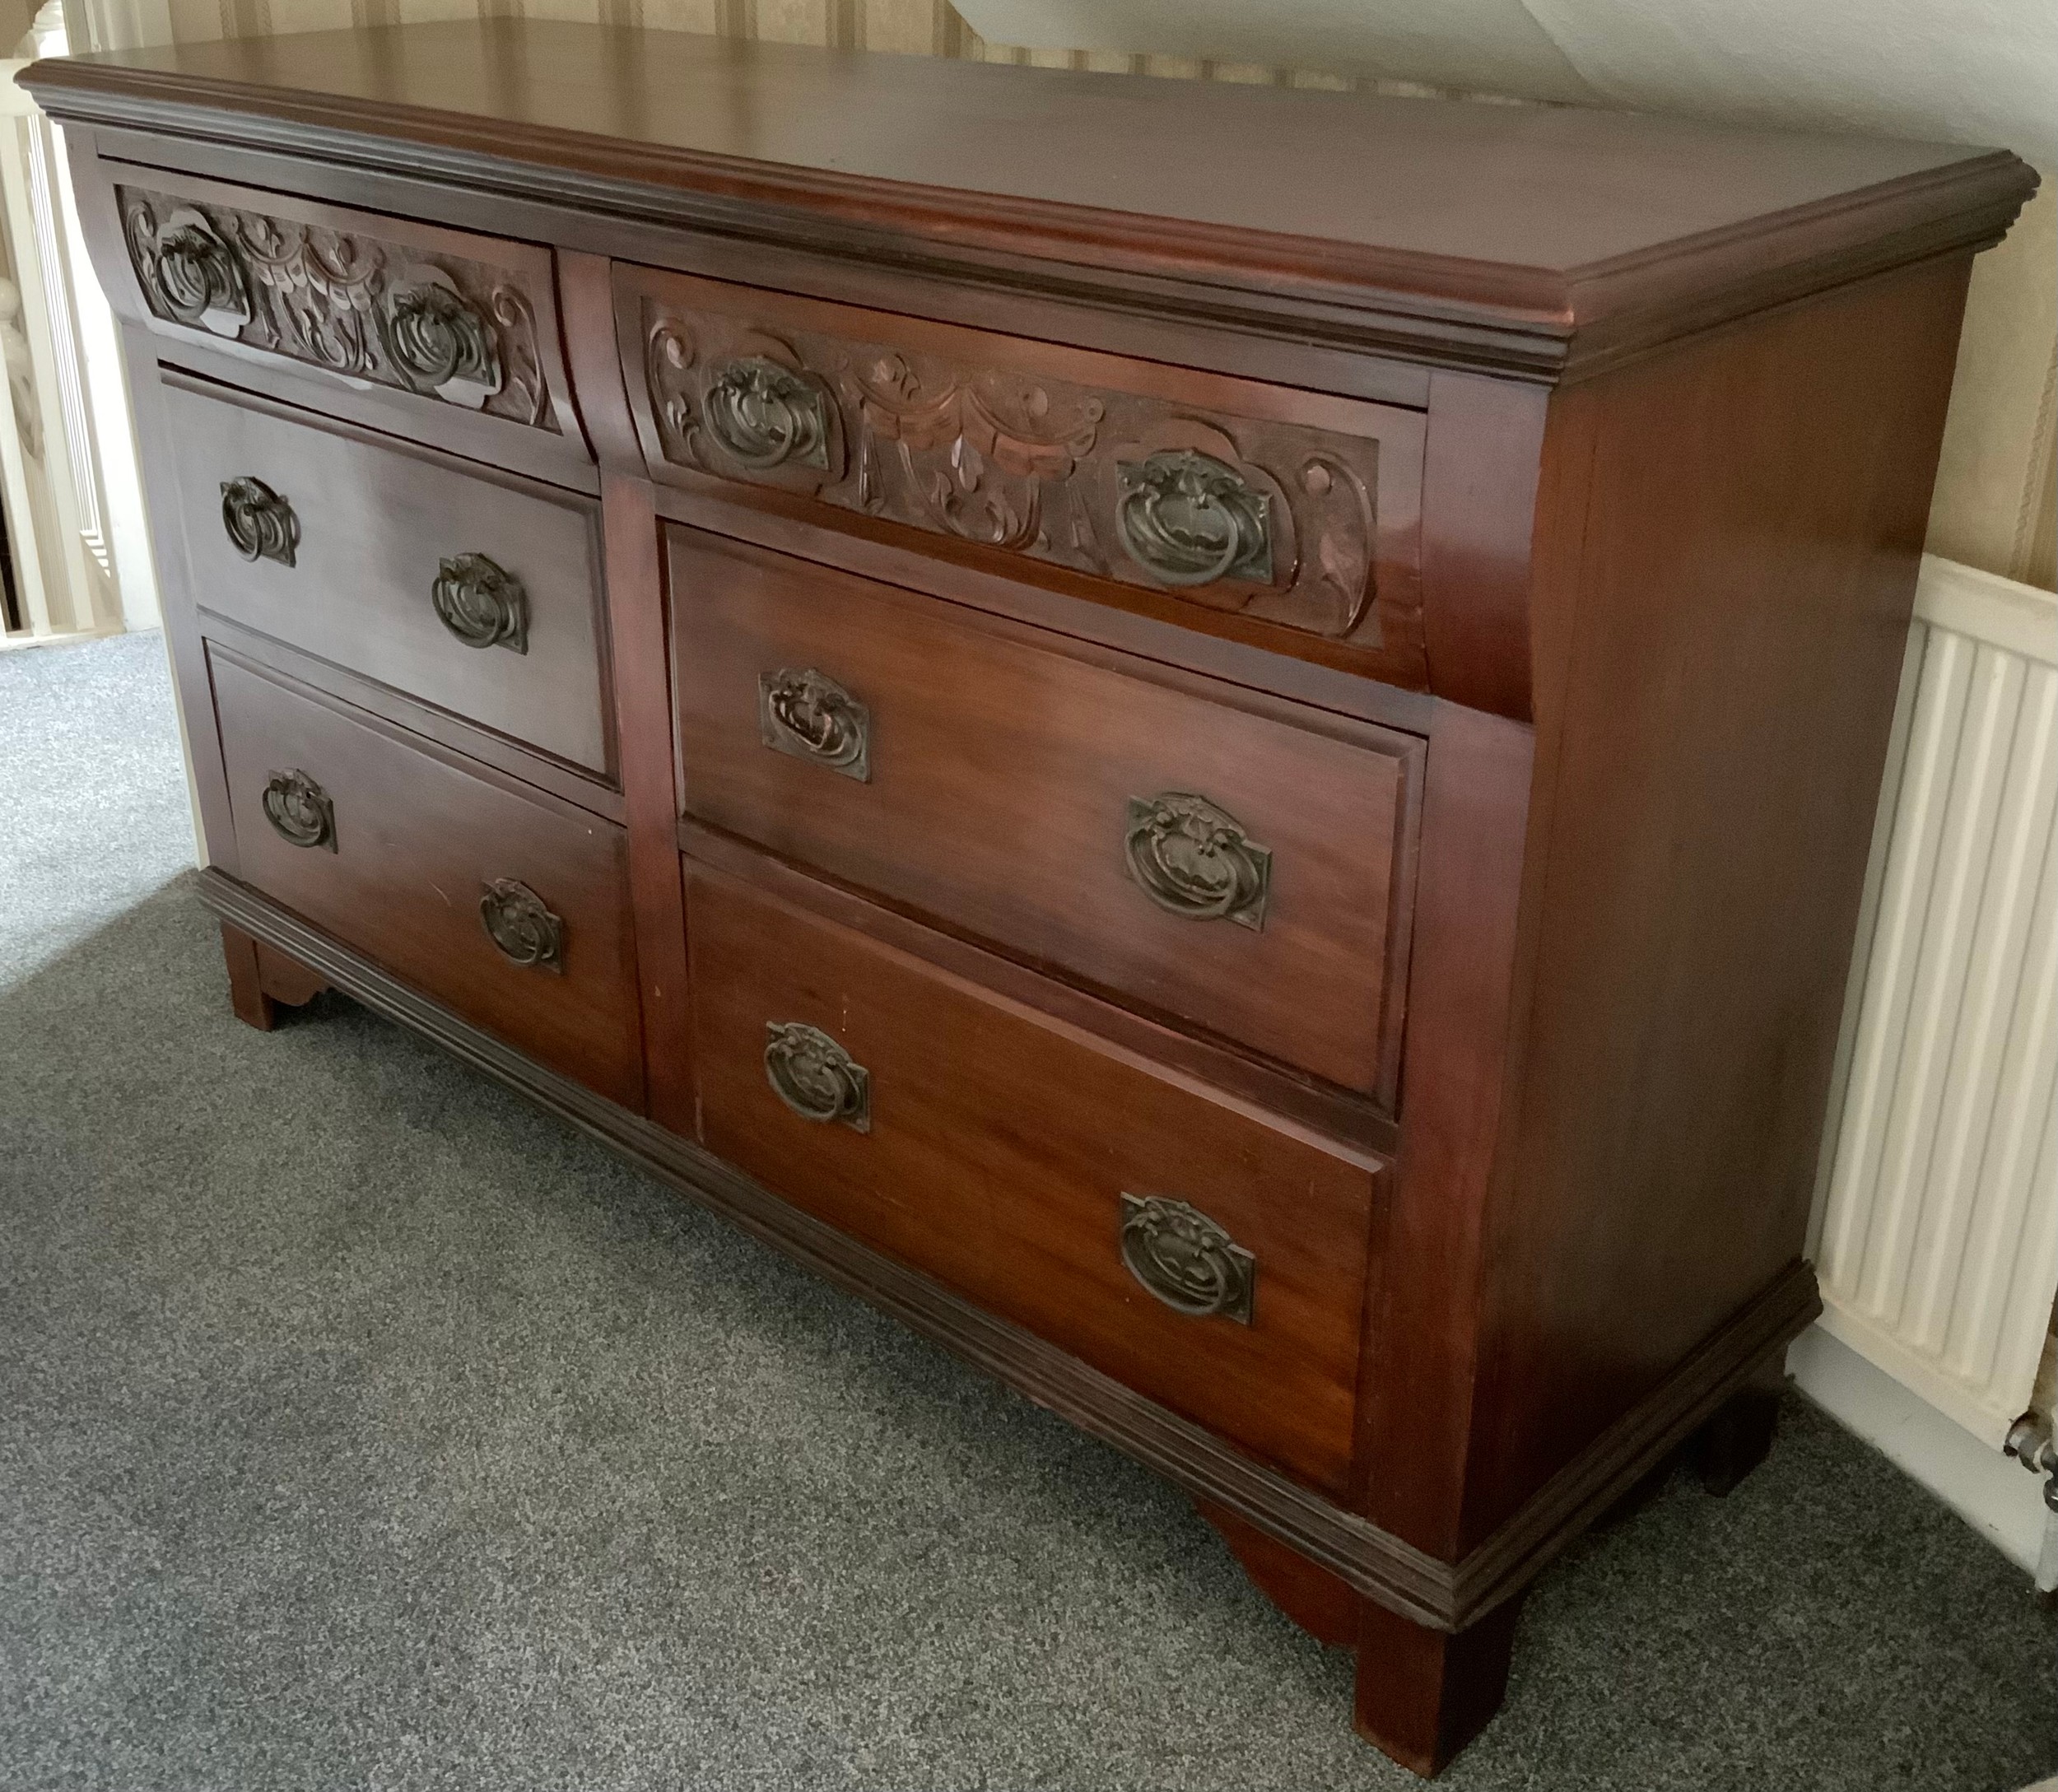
1217,742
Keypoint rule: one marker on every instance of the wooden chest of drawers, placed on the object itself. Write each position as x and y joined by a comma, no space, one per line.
1218,742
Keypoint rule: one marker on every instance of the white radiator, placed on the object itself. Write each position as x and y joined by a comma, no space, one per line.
1938,1211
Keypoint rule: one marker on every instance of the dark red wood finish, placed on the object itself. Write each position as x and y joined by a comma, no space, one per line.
999,773
417,838
1011,453
1718,645
1520,239
998,1146
1655,408
306,301
374,521
263,980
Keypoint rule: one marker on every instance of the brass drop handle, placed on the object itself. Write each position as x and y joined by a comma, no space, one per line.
768,416
1194,859
481,603
1186,1260
517,920
438,342
808,715
189,274
816,1077
1187,518
300,810
261,523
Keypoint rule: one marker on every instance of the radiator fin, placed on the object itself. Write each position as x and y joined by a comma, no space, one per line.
1939,1241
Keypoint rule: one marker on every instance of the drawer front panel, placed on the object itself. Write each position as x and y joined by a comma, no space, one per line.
1184,1245
1281,507
481,595
508,906
1228,869
439,317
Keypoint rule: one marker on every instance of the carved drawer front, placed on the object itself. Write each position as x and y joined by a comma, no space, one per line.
1212,1261
509,905
1174,491
433,317
479,593
1227,861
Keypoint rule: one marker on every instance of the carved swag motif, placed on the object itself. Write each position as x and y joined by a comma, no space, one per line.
1274,520
453,330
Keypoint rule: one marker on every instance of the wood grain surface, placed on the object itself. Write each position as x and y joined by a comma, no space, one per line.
417,836
1000,1145
374,521
1001,769
1515,1095
1534,223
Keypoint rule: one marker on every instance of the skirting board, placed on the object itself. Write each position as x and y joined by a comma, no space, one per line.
1992,1492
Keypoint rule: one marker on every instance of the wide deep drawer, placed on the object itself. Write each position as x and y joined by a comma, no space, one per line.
1229,862
1211,1259
479,593
506,903
1173,490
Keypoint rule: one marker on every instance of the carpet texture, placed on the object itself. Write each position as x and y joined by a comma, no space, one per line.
361,1427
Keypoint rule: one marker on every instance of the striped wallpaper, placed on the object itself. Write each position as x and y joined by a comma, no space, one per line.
910,27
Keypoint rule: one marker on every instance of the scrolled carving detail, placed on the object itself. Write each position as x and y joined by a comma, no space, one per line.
438,342
1186,1260
520,923
974,452
1269,517
1194,859
669,353
481,603
260,523
767,415
435,324
1187,518
816,1077
300,810
808,715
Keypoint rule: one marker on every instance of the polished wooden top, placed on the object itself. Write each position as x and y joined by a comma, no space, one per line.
1542,211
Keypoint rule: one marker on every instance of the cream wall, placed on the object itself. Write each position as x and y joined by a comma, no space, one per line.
1995,495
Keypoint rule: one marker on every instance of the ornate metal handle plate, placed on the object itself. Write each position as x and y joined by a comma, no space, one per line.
300,810
260,523
1195,860
195,275
517,921
1185,1260
482,603
1187,518
816,1077
768,416
438,341
808,715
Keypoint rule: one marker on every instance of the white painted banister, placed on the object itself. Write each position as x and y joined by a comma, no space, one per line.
68,484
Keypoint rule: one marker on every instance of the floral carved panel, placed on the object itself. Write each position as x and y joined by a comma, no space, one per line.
1271,519
437,325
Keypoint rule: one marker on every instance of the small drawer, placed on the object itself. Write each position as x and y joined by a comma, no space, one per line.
438,319
1178,492
1208,1257
1227,862
479,593
509,905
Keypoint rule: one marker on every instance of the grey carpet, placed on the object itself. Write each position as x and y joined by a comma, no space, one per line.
360,1426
